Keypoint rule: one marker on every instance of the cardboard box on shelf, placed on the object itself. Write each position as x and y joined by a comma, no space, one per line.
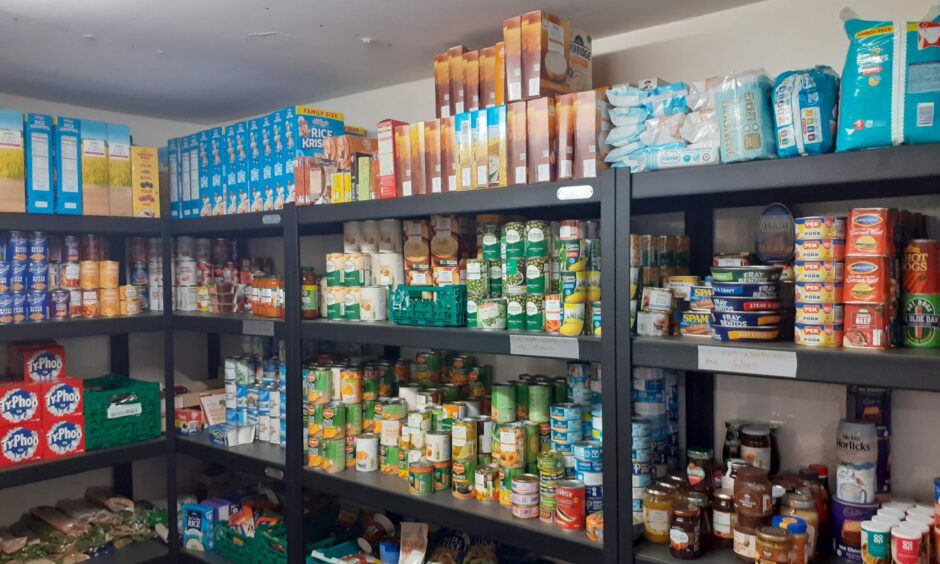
545,44
67,135
216,170
387,184
163,174
481,149
229,170
419,156
194,202
455,64
205,172
580,67
172,184
496,145
488,77
145,177
241,191
540,139
432,161
354,130
403,172
499,76
185,178
471,81
516,157
95,175
512,56
255,164
441,85
40,193
119,171
12,163
363,174
463,131
342,149
448,155
280,156
592,123
565,114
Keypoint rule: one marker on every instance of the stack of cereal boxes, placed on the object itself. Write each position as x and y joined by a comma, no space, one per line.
41,410
246,166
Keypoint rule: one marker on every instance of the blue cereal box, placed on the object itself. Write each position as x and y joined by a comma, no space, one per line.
40,194
186,177
255,164
19,403
278,158
197,527
193,200
205,171
12,163
288,146
307,127
229,168
216,170
20,444
267,163
67,135
175,152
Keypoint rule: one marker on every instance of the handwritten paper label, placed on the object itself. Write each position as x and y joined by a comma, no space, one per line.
551,347
578,192
747,361
258,328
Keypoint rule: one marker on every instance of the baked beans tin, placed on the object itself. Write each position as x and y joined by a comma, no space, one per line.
871,232
37,306
820,249
70,275
818,271
920,267
818,335
818,292
868,280
868,326
820,227
570,505
5,268
37,276
819,314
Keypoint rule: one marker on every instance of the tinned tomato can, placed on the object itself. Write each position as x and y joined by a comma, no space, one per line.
569,505
920,267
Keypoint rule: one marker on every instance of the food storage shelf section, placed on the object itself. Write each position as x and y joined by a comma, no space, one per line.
137,553
659,554
228,324
485,519
256,459
65,328
80,224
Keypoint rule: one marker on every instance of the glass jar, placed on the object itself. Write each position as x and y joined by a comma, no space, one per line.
700,500
774,449
723,518
822,473
700,471
755,446
309,294
732,447
752,493
803,505
810,484
796,528
773,546
670,487
657,514
731,472
678,481
745,538
684,532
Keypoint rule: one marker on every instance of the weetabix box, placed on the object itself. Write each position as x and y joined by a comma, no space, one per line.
592,123
194,201
463,131
388,174
448,155
516,134
40,194
499,76
565,114
241,193
419,156
96,178
512,54
432,161
120,193
67,133
545,44
255,164
12,162
145,178
455,64
442,85
267,165
540,139
471,80
403,170
496,145
216,170
488,77
173,169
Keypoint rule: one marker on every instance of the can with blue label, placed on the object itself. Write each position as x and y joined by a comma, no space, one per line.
38,246
593,499
241,397
231,415
37,306
19,307
18,276
17,247
264,401
283,437
252,404
5,268
241,416
6,308
269,372
37,276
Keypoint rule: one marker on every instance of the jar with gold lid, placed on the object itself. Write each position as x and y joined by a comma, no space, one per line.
773,546
657,514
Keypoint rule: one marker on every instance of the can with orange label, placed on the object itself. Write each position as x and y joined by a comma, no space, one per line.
871,232
569,505
867,326
921,267
867,280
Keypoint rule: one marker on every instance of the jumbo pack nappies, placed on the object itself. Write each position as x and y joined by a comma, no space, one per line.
805,103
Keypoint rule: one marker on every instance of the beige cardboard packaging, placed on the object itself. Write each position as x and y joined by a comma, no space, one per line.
448,155
545,39
403,159
512,53
95,175
442,85
432,161
488,77
516,143
12,163
388,184
480,150
455,62
540,135
463,131
564,112
580,69
592,123
471,81
418,159
499,68
120,191
145,179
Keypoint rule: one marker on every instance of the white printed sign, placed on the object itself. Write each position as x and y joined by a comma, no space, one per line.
736,360
551,347
577,192
258,328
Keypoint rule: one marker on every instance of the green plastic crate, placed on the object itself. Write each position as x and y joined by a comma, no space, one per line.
429,306
119,410
267,546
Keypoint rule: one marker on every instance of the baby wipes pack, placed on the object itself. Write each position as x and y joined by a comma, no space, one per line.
745,117
891,83
805,111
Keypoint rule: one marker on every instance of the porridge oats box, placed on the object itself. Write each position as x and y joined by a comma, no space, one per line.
540,137
448,155
545,44
455,63
516,156
512,56
432,160
442,85
592,123
471,80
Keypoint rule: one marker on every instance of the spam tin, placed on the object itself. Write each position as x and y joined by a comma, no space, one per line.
819,314
700,298
818,270
868,280
745,273
820,227
818,292
747,290
868,326
695,323
820,249
681,286
745,334
724,303
818,335
871,232
746,318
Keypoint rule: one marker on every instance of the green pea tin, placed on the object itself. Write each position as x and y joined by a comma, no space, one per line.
534,314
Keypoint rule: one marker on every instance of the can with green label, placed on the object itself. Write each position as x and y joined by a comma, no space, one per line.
451,391
368,415
421,478
560,386
522,399
478,280
334,455
571,255
388,459
516,312
514,276
535,275
532,447
514,234
463,474
537,237
334,420
318,384
492,314
595,325
496,277
352,307
353,419
540,398
473,309
534,315
489,238
592,248
921,316
441,475
503,403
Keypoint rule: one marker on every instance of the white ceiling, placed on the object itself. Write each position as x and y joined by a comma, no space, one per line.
195,60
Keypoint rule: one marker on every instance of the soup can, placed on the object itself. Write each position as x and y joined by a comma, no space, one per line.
570,505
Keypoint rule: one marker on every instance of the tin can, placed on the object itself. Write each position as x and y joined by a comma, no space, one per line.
503,403
571,255
820,314
314,452
334,454
37,306
350,385
37,276
394,409
496,277
534,316
594,327
485,434
489,231
352,304
437,446
513,232
565,412
820,227
512,444
334,420
540,397
920,314
486,481
552,313
537,237
335,302
491,314
570,505
353,419
464,439
463,474
335,264
38,246
536,275
17,246
318,385
478,281
920,267
522,399
819,271
514,271
6,308
420,478
18,277
388,459
5,268
441,475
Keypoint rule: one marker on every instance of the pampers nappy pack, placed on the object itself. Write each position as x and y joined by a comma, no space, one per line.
805,103
891,82
745,117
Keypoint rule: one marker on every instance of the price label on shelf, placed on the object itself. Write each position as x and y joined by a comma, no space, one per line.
258,328
271,219
577,192
736,360
538,345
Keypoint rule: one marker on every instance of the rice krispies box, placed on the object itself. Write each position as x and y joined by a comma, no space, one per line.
305,130
36,362
63,437
20,444
19,403
61,398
